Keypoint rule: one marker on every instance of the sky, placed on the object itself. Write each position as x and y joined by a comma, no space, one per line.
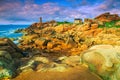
29,11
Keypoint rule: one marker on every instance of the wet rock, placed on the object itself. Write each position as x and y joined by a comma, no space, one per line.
18,31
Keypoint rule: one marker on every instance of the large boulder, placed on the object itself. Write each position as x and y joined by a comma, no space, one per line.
104,60
34,63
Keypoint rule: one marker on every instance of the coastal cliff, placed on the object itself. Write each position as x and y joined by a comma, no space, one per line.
79,50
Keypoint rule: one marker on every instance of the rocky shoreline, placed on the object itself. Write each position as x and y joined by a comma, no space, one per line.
49,48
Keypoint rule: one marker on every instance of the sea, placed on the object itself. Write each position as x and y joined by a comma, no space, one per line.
7,31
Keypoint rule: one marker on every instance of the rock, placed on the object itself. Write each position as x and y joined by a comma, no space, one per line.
28,38
40,59
85,27
9,54
7,69
59,28
27,66
50,45
59,67
103,60
42,43
5,54
94,26
84,47
52,67
88,20
75,51
107,17
38,26
9,46
62,58
35,63
18,31
117,23
5,73
71,60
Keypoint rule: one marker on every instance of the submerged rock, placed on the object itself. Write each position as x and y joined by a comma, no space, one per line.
18,31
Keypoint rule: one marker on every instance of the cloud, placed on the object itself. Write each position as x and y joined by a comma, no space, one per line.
14,11
29,11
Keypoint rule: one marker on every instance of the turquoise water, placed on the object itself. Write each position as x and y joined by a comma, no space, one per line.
8,31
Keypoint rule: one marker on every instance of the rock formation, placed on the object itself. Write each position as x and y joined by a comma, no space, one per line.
85,50
107,17
9,46
9,54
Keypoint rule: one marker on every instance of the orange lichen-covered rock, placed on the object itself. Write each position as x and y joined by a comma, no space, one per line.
94,26
50,45
59,28
39,42
75,51
85,27
88,33
97,31
107,17
84,47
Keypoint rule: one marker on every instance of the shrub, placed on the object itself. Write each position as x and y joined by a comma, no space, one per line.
109,25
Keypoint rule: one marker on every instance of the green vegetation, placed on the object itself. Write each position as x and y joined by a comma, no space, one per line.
6,69
110,25
65,22
92,67
106,77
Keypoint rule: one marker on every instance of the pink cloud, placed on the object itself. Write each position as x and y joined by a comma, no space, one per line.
31,11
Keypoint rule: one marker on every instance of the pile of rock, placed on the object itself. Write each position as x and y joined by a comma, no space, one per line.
9,46
9,53
39,26
107,17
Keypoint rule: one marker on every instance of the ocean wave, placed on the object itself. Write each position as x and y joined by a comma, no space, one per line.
2,31
8,31
11,31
